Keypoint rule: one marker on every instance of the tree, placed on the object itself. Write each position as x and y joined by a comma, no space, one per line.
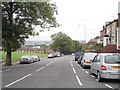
18,19
62,43
98,46
77,46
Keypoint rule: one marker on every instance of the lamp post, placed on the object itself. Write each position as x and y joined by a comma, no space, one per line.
84,31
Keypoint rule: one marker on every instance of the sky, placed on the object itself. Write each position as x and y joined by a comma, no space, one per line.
79,16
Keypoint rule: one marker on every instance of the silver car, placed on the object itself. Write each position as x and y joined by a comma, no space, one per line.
86,60
106,66
35,58
26,59
50,55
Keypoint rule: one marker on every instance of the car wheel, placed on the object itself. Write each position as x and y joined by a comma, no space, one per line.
99,79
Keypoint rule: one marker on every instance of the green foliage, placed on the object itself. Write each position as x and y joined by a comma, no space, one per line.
18,19
77,46
62,42
97,47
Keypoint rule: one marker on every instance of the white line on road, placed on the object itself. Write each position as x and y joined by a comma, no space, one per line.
40,69
80,83
17,80
70,62
72,65
109,86
74,70
78,65
86,72
48,64
83,69
92,76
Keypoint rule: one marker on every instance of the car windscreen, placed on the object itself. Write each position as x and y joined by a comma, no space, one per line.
112,59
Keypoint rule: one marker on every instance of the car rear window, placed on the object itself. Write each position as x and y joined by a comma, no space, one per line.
89,56
112,59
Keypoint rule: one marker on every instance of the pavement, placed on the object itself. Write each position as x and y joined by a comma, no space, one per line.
60,72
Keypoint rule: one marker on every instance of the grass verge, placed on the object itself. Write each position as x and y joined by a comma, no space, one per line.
17,55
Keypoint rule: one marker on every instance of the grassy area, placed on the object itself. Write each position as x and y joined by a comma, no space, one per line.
16,55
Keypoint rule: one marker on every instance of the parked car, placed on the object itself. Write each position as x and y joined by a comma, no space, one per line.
77,55
55,54
50,55
80,59
73,54
86,60
36,58
58,54
106,66
26,59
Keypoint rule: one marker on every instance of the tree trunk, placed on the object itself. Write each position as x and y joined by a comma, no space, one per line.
8,61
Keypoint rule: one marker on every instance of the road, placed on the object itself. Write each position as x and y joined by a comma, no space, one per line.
60,72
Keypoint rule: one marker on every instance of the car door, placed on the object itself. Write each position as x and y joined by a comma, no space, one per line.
97,64
93,64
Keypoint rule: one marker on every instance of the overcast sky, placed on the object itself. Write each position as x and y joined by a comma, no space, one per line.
75,15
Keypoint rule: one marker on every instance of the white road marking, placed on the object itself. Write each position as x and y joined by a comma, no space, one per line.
70,62
109,86
80,83
74,70
72,65
17,80
78,65
40,69
86,72
48,64
83,69
92,76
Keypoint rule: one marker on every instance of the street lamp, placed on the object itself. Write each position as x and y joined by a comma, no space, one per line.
84,31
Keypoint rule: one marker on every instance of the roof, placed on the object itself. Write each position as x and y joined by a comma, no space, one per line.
108,49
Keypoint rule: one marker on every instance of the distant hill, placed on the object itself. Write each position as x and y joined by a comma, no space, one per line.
37,42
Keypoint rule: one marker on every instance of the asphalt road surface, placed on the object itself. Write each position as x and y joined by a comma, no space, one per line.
59,72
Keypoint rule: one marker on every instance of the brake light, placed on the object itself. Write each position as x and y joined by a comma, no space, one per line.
103,67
